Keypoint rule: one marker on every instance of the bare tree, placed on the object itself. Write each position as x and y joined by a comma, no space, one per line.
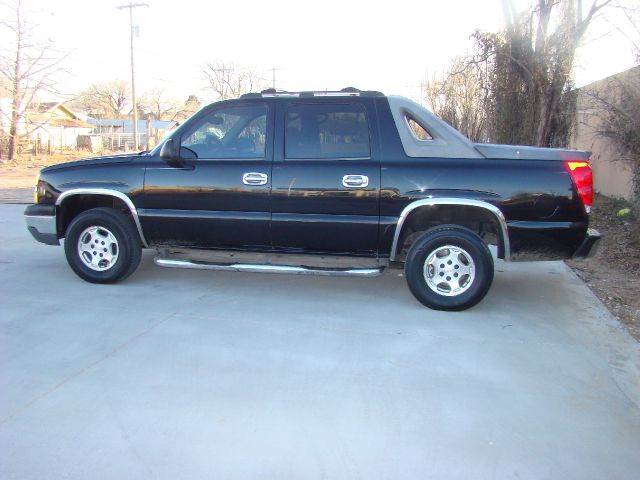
106,99
459,97
615,103
630,25
228,80
28,67
531,65
157,103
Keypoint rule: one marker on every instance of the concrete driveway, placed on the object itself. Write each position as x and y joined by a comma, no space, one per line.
203,375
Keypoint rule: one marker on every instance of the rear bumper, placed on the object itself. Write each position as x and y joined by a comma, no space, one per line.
41,223
589,245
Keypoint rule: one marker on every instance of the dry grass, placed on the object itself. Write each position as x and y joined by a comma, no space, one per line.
22,172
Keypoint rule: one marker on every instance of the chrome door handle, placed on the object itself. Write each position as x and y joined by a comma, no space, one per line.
255,178
355,181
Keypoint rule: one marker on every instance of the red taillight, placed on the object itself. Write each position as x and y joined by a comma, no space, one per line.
582,177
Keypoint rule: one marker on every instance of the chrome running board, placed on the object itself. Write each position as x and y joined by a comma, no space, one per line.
246,267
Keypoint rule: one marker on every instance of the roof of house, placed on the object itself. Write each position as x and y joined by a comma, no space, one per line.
127,125
55,114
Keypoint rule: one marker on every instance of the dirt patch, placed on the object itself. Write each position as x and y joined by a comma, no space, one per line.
613,274
18,177
22,172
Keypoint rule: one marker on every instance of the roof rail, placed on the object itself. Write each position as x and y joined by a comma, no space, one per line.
345,92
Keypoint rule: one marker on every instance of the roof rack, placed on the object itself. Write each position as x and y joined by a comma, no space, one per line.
345,92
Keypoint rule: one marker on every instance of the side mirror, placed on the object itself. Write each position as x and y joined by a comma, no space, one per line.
169,153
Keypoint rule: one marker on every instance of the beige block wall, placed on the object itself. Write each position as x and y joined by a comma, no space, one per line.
612,176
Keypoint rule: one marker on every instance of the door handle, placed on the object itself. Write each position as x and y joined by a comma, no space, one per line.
255,178
355,181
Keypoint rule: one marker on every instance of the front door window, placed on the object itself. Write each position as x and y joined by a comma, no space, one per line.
231,132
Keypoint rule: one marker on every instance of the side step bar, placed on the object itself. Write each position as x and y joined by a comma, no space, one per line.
246,267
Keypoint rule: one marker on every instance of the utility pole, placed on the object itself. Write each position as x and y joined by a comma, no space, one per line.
422,89
131,6
273,76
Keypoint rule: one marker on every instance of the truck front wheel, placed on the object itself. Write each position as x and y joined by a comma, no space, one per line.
102,245
449,268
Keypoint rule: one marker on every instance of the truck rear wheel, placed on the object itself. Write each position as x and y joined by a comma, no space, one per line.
449,268
102,246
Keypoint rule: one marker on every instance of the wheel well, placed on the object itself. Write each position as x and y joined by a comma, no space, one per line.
477,219
76,204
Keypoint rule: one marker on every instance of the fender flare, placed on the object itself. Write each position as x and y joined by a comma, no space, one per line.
107,192
467,202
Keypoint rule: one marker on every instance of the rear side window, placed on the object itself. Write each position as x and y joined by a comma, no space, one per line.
417,129
327,131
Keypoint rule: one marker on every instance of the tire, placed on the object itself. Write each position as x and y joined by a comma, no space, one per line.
100,228
436,287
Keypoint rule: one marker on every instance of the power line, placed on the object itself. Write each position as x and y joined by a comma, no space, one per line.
131,6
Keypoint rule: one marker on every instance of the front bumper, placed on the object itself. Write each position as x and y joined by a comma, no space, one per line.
589,245
41,223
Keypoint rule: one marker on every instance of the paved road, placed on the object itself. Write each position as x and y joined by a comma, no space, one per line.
198,375
16,195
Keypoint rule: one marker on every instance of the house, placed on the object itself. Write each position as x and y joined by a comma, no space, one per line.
117,134
46,123
114,125
55,123
191,106
612,176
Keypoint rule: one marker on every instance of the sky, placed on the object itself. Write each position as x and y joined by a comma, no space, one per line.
386,46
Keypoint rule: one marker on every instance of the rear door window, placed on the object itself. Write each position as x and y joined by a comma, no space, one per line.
327,131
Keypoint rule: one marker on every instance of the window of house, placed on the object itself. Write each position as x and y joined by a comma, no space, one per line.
327,131
417,129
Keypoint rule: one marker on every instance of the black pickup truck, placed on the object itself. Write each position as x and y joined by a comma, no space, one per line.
343,183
